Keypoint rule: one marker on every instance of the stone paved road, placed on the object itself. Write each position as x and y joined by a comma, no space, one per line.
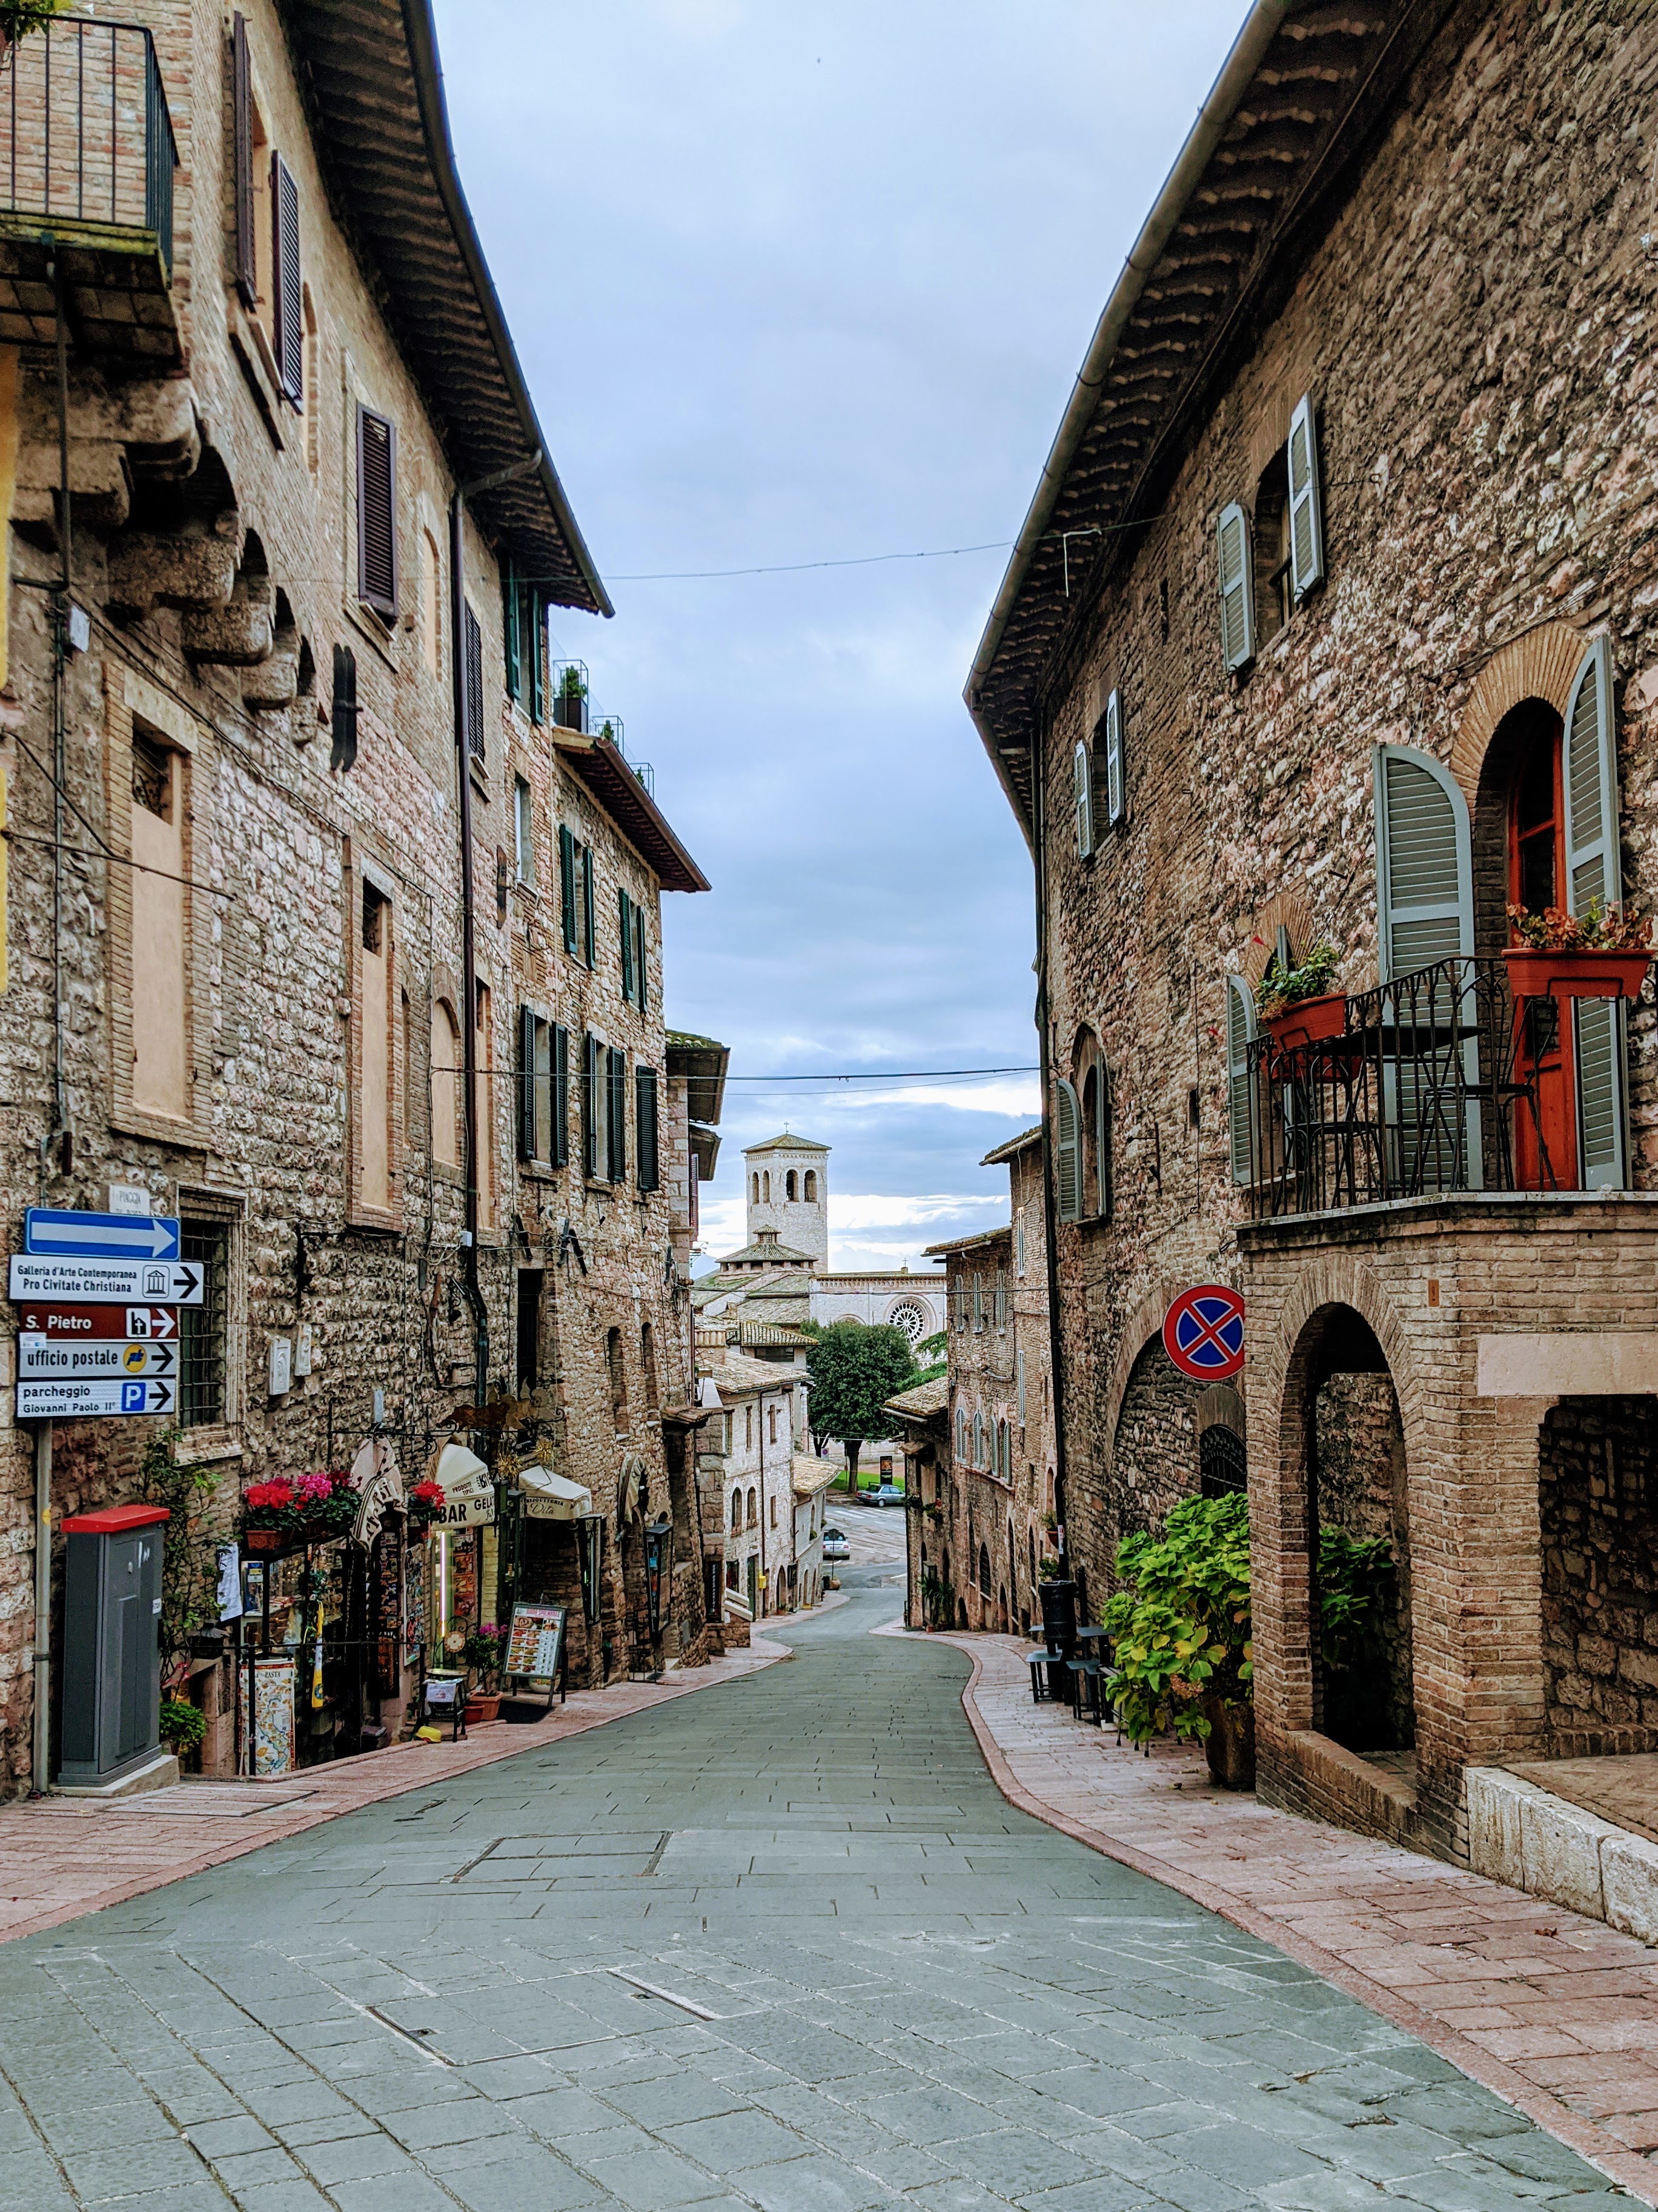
859,1979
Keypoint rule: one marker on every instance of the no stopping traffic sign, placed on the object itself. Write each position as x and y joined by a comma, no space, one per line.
1203,1333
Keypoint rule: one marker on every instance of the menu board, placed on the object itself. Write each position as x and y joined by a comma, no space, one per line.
532,1643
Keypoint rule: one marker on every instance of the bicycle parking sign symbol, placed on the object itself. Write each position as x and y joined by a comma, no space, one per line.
1203,1333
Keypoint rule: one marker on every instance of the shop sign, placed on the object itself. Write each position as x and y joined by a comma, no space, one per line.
534,1641
658,1536
477,1511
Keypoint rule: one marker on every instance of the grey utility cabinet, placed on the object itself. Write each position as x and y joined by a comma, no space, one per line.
112,1642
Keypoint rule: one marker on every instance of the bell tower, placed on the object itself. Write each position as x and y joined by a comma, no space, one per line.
787,1188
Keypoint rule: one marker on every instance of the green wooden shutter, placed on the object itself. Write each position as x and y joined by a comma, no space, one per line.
1306,509
560,1154
1595,877
537,650
1237,599
1067,1147
1114,792
626,918
1424,867
1082,771
592,1105
638,957
616,1115
566,886
1240,1091
645,1127
509,627
590,935
526,1084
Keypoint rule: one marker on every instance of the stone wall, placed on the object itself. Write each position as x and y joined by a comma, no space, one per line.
1599,1465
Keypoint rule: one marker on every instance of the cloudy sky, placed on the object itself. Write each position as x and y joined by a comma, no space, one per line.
797,282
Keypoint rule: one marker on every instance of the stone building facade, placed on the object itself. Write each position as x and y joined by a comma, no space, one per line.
1332,624
321,936
765,1488
977,1442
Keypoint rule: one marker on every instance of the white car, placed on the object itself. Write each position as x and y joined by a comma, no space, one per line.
836,1546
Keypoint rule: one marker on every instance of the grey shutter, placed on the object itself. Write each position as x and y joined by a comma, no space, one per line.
1306,509
1240,1091
1424,868
248,268
1082,771
645,1127
377,530
1067,1147
1235,561
566,886
1114,779
625,916
1594,875
472,673
526,1084
288,316
560,1154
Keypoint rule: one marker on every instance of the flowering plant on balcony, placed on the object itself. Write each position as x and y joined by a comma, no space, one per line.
1281,988
1601,928
425,1500
314,1506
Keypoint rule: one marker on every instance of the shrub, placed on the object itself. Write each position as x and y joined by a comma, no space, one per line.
183,1725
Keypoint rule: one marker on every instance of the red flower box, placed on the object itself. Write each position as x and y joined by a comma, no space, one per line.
1580,973
1308,1021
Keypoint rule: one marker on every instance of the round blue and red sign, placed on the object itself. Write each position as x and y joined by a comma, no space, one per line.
1203,1333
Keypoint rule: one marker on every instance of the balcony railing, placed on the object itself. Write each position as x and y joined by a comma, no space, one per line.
85,134
1439,1082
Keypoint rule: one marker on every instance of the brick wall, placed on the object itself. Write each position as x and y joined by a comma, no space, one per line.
1600,1498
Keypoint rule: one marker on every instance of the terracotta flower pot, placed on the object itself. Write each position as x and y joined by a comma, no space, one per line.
483,1706
261,1540
1308,1021
1230,1749
1577,974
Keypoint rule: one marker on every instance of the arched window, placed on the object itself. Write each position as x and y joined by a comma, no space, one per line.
737,1511
445,1085
811,1186
772,1502
748,1427
766,1180
754,1508
648,1364
984,1571
771,1411
961,1432
978,1440
1222,1462
618,1377
1004,1452
789,1186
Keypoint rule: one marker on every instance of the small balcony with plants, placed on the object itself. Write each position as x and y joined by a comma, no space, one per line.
1468,1074
572,711
88,159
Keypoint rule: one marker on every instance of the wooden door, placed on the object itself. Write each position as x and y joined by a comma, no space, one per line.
1545,1145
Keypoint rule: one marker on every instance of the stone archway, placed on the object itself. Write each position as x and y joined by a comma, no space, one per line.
1537,664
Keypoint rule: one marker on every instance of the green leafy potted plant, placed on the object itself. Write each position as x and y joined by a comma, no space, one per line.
1296,1004
483,1650
1602,953
1180,1630
183,1725
570,707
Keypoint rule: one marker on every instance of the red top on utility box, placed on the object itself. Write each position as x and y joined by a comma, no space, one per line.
114,1520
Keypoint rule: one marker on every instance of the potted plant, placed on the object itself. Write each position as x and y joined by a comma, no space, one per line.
483,1651
424,1503
1297,1005
570,708
1180,1632
1600,954
282,1515
182,1726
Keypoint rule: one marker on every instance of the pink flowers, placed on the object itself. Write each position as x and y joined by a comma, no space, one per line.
298,1501
312,1489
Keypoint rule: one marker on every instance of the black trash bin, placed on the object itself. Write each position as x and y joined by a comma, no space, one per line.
1060,1618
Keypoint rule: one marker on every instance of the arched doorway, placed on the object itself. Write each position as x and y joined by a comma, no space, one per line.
1222,1462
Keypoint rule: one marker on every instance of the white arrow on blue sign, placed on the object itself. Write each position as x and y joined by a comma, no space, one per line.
99,1236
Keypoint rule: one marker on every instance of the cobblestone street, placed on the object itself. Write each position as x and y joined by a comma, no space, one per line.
781,1944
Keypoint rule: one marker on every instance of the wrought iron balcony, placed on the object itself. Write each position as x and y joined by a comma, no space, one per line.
1440,1081
87,163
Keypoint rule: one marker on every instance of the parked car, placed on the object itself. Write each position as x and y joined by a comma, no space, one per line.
888,1493
836,1546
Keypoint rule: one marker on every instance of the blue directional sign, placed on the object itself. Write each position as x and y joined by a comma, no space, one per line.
99,1236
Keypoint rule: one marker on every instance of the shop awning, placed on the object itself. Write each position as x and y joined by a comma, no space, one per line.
549,1497
461,1473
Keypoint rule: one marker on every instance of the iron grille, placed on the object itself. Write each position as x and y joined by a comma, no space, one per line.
202,1329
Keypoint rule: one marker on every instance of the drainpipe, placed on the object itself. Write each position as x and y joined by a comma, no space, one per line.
468,904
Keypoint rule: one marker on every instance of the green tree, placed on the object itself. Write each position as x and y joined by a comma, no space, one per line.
854,1368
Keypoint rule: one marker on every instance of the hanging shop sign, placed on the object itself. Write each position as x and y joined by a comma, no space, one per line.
534,1642
1203,1333
659,1545
549,1497
590,1547
378,1482
476,1512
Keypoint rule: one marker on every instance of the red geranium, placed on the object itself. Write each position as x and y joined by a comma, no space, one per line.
427,1493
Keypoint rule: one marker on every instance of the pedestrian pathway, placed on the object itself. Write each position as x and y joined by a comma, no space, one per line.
61,1856
782,1946
1556,2012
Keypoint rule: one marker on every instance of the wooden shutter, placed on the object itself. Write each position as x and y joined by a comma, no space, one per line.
626,915
1595,877
1114,795
591,1104
1424,867
288,301
536,644
510,591
1238,600
1067,1149
589,949
1240,1091
526,1084
566,886
1082,771
645,1128
1018,1385
559,1152
377,525
616,1113
1102,1138
473,672
343,710
1306,509
247,270
639,956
